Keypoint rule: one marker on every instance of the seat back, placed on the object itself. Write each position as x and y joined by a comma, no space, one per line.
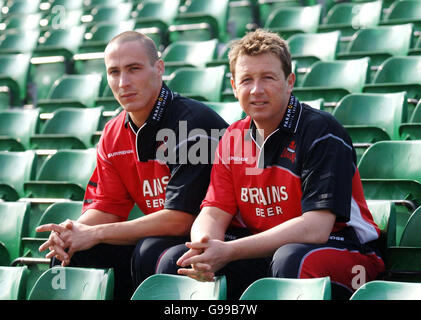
13,283
388,290
16,168
74,166
321,46
290,20
350,74
61,41
13,224
411,233
401,70
381,42
401,161
59,212
74,122
83,88
17,41
17,125
176,287
288,289
195,53
403,10
229,111
71,283
354,14
191,82
364,114
13,74
384,215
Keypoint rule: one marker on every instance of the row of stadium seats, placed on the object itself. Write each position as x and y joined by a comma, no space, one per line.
44,57
97,284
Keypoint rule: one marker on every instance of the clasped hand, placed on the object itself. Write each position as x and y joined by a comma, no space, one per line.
65,239
205,257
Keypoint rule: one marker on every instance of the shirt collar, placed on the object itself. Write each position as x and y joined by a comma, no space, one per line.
157,113
289,122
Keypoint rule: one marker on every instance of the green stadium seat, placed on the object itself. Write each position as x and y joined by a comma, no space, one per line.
229,111
13,283
266,7
316,104
21,7
97,38
397,178
70,283
61,18
201,20
18,41
16,168
13,78
88,5
388,290
66,4
189,54
411,130
21,22
176,287
385,216
308,48
189,82
76,90
69,128
154,18
64,174
16,126
371,117
91,63
404,11
379,43
398,74
347,17
403,261
107,13
292,20
14,217
288,289
56,213
416,50
243,16
332,80
60,42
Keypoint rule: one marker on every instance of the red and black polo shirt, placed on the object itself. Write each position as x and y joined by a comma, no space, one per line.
128,170
308,163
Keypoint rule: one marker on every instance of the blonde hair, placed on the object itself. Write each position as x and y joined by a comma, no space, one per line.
258,42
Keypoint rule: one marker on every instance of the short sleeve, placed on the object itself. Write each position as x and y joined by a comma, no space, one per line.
327,174
105,191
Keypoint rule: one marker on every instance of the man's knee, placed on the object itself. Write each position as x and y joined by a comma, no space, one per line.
168,260
287,259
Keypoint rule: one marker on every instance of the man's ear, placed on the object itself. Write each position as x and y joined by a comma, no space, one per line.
160,66
291,81
234,88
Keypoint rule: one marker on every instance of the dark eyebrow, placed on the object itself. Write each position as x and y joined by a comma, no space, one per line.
138,64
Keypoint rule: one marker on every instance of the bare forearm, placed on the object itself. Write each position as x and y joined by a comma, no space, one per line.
210,223
308,228
162,223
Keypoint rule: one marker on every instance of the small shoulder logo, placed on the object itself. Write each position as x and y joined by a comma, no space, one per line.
289,152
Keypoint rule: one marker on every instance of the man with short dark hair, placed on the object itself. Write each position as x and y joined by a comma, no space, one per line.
134,166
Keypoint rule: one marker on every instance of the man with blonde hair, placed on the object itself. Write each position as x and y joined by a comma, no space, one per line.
288,174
